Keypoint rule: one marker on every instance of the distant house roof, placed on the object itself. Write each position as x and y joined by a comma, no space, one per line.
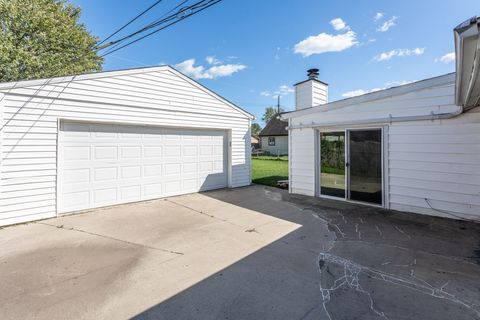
275,127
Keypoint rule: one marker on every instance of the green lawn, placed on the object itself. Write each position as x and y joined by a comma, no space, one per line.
268,170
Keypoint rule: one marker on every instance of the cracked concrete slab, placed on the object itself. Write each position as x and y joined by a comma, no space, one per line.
254,252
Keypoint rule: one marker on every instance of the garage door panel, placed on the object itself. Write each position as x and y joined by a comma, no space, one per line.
154,151
129,152
103,164
106,196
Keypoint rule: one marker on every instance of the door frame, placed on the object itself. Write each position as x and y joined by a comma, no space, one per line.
384,163
61,120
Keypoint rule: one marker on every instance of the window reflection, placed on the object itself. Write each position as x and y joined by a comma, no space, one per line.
332,151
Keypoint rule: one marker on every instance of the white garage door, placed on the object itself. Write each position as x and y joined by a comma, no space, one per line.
102,164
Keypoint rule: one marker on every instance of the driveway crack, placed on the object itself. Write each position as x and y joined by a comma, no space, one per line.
112,238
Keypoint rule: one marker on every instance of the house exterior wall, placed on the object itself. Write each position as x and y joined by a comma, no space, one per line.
159,97
302,161
437,160
281,145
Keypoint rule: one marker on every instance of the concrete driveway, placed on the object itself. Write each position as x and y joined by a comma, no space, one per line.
249,253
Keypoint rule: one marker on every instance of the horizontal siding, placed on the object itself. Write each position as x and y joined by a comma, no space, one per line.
302,159
422,102
28,153
436,165
281,145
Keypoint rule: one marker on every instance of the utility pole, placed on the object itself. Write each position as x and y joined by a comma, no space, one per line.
278,104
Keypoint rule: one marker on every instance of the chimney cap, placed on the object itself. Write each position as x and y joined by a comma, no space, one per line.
313,73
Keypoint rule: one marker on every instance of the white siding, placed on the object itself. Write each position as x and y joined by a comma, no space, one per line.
281,145
438,161
302,161
437,99
435,160
310,93
160,97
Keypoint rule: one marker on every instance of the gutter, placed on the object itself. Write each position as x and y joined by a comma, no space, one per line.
467,51
431,117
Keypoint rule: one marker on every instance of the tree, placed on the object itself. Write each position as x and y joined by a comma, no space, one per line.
43,38
256,128
270,112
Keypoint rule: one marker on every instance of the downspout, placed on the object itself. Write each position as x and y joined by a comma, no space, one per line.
432,117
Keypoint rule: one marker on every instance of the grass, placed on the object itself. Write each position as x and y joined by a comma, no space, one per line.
268,170
269,157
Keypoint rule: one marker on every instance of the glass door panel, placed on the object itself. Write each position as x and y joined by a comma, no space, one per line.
332,164
365,165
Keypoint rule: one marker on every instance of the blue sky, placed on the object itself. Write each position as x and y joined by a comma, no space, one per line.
248,51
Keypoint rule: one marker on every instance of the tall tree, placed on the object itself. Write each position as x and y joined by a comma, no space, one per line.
256,128
43,38
270,112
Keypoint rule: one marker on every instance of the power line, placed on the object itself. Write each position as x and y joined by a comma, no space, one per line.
159,21
129,22
177,17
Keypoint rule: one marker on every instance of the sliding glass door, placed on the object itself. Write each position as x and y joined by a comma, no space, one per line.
365,165
351,165
332,167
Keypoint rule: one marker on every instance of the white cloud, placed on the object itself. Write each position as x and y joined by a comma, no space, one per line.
339,24
385,56
387,24
325,42
354,93
378,16
446,58
200,72
212,60
282,91
360,92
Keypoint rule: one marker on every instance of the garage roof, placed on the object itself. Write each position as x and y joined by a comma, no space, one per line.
104,74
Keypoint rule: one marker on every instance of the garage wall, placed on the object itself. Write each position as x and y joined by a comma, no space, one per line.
157,96
438,161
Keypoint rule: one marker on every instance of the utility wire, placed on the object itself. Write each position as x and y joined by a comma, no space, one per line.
154,22
160,22
129,22
177,17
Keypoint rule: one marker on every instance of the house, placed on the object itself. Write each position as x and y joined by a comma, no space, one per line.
274,137
87,141
414,147
255,141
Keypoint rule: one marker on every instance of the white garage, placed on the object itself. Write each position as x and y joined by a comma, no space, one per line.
96,140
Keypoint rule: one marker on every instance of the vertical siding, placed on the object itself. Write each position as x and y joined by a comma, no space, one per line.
302,161
161,98
438,161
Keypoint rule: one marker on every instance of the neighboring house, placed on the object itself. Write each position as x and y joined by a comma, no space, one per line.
274,137
87,141
413,148
255,141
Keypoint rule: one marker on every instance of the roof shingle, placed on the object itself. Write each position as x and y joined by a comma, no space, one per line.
275,127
